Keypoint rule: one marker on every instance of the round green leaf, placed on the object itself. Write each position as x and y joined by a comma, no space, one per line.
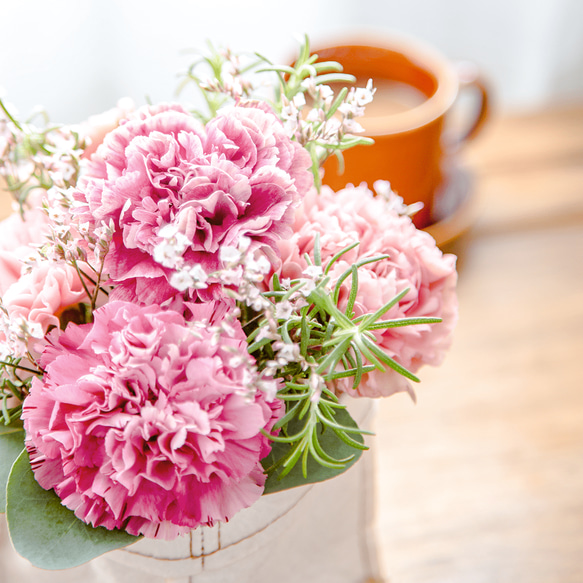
331,444
11,446
47,533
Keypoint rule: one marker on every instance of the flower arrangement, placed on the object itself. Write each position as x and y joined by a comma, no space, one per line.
186,310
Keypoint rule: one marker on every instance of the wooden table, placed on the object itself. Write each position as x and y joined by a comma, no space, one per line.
482,480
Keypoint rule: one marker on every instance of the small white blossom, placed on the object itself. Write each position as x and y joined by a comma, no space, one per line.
267,332
308,287
326,94
244,243
313,271
164,253
231,276
269,388
316,115
394,202
283,310
35,329
352,127
5,350
170,250
263,265
271,367
299,100
61,231
199,276
229,254
84,228
287,353
309,83
193,277
364,95
316,383
181,280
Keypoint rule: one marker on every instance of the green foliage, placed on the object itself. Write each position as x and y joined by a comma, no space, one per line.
21,164
46,533
11,446
219,77
15,382
316,439
304,77
223,77
328,440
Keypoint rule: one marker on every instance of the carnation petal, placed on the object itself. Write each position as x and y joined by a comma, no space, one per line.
155,440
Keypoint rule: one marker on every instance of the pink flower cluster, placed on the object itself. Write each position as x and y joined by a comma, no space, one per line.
238,176
144,421
147,420
414,262
140,421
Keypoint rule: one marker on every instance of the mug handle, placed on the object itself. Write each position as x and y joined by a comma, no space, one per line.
470,78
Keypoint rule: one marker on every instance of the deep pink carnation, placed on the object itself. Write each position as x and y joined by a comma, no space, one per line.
415,262
239,175
139,422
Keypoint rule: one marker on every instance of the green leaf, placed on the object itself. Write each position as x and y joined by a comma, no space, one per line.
11,446
371,318
339,255
399,322
329,442
14,427
335,78
386,359
46,533
322,66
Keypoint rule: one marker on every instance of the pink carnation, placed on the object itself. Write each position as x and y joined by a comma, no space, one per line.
98,126
139,422
43,294
17,235
414,262
238,176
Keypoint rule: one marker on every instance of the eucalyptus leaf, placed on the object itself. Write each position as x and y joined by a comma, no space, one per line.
46,533
14,427
11,446
329,442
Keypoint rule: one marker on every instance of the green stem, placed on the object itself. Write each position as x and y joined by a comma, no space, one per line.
3,362
10,116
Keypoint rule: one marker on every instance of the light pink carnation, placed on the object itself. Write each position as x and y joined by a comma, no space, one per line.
98,126
414,262
17,235
139,422
239,175
43,294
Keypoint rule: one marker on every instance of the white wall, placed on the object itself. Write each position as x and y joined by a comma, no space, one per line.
77,57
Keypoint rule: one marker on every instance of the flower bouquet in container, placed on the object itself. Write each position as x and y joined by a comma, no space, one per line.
187,311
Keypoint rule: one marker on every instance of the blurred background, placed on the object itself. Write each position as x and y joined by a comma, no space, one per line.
77,57
482,480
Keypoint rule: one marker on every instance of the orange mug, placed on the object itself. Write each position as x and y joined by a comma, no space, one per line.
416,89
